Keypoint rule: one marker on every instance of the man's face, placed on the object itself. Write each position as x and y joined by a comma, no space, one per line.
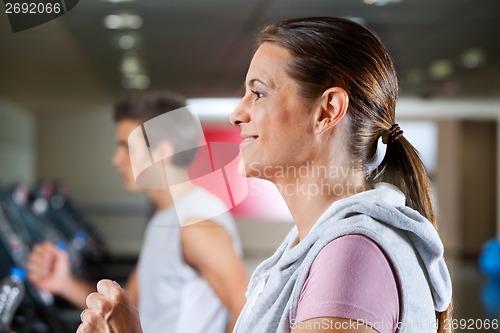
121,158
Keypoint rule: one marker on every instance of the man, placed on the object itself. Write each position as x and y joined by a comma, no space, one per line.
190,277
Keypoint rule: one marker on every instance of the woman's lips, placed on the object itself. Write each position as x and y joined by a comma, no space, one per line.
249,139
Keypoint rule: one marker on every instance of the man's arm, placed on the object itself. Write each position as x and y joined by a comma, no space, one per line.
207,247
132,286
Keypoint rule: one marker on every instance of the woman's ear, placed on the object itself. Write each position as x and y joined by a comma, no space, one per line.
332,108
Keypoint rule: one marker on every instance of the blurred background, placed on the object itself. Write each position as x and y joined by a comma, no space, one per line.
59,80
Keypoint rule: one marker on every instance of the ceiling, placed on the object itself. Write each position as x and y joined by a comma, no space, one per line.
202,48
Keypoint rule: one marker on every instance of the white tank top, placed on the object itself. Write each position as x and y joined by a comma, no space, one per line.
173,297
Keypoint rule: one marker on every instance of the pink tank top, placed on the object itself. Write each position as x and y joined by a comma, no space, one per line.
351,278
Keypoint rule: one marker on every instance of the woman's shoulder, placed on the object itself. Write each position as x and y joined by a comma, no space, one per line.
351,277
352,255
353,246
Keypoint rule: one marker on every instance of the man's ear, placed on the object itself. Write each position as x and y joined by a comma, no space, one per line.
332,108
163,150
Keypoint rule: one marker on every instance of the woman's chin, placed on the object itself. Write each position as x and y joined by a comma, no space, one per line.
242,168
248,169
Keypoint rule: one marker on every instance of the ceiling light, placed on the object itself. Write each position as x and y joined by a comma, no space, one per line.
112,21
473,58
141,81
380,2
131,64
117,1
123,21
441,69
135,81
126,42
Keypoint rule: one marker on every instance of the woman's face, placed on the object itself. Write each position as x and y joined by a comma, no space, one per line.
276,123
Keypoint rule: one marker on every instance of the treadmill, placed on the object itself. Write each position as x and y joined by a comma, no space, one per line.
36,313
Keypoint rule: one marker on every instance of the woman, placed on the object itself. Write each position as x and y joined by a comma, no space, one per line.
364,255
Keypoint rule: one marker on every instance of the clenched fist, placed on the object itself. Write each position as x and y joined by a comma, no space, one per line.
109,310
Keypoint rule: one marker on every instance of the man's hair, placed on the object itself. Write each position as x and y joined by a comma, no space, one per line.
182,128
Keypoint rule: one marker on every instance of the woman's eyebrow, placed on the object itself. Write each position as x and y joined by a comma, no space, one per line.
252,82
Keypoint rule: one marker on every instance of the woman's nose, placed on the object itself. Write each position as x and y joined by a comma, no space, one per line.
239,115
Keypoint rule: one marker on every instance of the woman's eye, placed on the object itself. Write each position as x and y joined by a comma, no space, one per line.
258,94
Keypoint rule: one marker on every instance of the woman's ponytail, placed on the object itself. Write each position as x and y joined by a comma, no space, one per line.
403,168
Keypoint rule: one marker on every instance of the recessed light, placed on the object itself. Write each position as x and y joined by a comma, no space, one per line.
473,58
135,81
117,1
123,21
380,2
126,42
441,69
131,64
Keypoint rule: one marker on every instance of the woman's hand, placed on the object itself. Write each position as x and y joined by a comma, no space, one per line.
109,310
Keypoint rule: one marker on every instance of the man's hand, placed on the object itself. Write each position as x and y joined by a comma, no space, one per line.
109,310
49,268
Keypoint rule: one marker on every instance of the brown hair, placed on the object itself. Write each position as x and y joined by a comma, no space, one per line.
145,106
333,52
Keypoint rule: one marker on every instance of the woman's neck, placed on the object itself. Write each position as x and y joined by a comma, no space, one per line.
308,197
